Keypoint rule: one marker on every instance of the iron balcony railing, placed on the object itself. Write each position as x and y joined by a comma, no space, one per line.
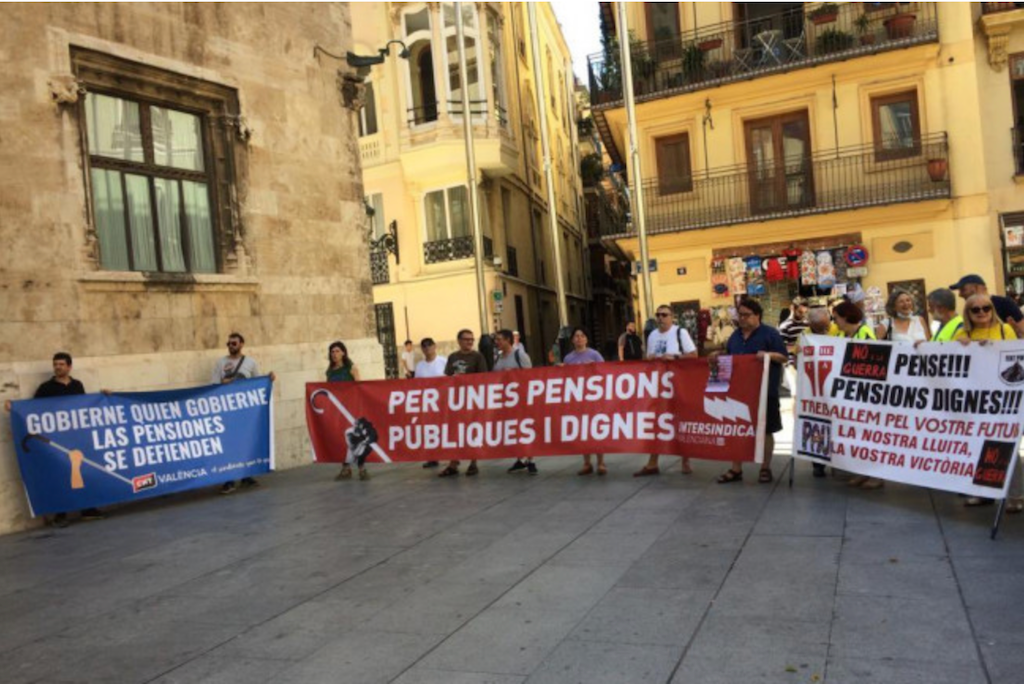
602,218
733,51
995,7
827,181
425,113
451,249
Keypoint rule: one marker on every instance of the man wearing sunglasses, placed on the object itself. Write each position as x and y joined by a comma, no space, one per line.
1007,311
235,366
667,341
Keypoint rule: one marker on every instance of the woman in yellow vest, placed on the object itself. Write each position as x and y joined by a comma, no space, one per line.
981,324
850,320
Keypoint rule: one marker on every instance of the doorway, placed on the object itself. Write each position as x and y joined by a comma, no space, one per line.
779,163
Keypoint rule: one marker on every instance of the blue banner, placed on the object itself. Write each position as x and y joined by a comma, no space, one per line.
95,449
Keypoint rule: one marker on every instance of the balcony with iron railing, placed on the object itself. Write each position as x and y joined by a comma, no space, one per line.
996,7
602,218
733,51
453,249
1017,135
826,181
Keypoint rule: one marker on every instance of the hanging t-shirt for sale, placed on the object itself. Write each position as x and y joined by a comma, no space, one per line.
674,341
755,277
826,271
737,276
839,261
808,268
792,263
774,271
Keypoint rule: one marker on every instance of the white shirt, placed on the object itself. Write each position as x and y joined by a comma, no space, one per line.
228,366
409,360
432,369
661,343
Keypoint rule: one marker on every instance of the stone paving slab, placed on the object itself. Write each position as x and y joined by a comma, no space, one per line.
505,579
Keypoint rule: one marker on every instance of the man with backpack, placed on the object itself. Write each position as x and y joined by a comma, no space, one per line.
511,357
667,341
631,347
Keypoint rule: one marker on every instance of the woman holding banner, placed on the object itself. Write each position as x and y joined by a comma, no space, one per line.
850,319
580,354
903,325
341,369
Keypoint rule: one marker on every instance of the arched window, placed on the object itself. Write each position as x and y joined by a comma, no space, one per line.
420,66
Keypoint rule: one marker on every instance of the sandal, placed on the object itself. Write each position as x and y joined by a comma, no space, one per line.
450,471
765,476
471,470
646,470
345,474
686,469
601,470
586,470
730,475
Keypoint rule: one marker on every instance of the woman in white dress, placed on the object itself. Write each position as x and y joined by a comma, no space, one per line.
903,325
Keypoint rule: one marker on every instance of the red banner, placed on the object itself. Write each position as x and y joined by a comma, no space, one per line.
659,407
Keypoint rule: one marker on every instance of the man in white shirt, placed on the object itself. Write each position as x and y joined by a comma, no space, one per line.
432,366
409,360
667,341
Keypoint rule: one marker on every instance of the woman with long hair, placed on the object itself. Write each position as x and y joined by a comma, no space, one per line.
580,354
341,369
903,325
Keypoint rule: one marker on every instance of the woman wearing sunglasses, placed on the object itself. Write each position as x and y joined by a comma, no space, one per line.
981,324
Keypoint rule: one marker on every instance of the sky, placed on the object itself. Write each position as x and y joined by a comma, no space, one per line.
581,26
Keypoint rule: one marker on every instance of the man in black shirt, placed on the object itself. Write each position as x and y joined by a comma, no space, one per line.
62,385
1006,309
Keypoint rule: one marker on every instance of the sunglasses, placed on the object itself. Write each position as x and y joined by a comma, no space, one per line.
980,309
233,344
465,339
663,315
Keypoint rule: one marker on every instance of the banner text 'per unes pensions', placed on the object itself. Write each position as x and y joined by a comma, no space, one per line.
945,416
95,450
663,407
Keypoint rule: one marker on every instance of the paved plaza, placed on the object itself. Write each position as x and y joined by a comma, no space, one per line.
507,579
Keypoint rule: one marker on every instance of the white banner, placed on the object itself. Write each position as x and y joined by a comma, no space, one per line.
943,416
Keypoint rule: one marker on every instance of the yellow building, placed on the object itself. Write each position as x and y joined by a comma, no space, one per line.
767,128
414,171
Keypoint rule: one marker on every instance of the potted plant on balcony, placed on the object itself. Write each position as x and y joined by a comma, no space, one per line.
833,40
863,26
709,43
900,25
937,169
825,13
693,63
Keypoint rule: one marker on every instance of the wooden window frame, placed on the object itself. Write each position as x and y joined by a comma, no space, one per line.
673,48
879,101
223,137
666,184
777,121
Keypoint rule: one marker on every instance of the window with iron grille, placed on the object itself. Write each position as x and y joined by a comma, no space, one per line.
159,153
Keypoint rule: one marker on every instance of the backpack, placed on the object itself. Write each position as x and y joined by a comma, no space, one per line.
632,350
515,355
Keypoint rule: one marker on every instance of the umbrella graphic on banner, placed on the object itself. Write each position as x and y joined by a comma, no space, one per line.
77,459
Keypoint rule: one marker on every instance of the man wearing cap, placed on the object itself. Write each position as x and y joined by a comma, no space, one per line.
432,366
1007,311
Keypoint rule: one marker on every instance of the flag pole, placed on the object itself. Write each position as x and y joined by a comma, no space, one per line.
474,196
556,243
637,199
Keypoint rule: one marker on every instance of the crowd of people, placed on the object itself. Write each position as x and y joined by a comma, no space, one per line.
984,318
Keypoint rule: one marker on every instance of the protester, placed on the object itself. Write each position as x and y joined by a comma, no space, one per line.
850,320
942,307
631,347
409,360
819,322
228,369
667,341
582,354
432,366
982,325
753,337
510,358
341,369
517,340
62,385
903,325
1006,309
464,362
791,328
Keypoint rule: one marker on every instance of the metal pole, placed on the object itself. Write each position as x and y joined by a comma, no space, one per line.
474,197
639,215
556,243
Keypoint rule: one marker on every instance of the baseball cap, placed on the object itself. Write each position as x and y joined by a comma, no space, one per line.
972,279
427,342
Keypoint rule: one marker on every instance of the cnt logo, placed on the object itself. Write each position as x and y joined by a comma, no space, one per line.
142,482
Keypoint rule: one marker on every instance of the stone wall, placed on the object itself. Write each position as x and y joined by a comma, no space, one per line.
298,276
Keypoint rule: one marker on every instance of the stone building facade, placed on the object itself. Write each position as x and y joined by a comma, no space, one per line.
170,173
